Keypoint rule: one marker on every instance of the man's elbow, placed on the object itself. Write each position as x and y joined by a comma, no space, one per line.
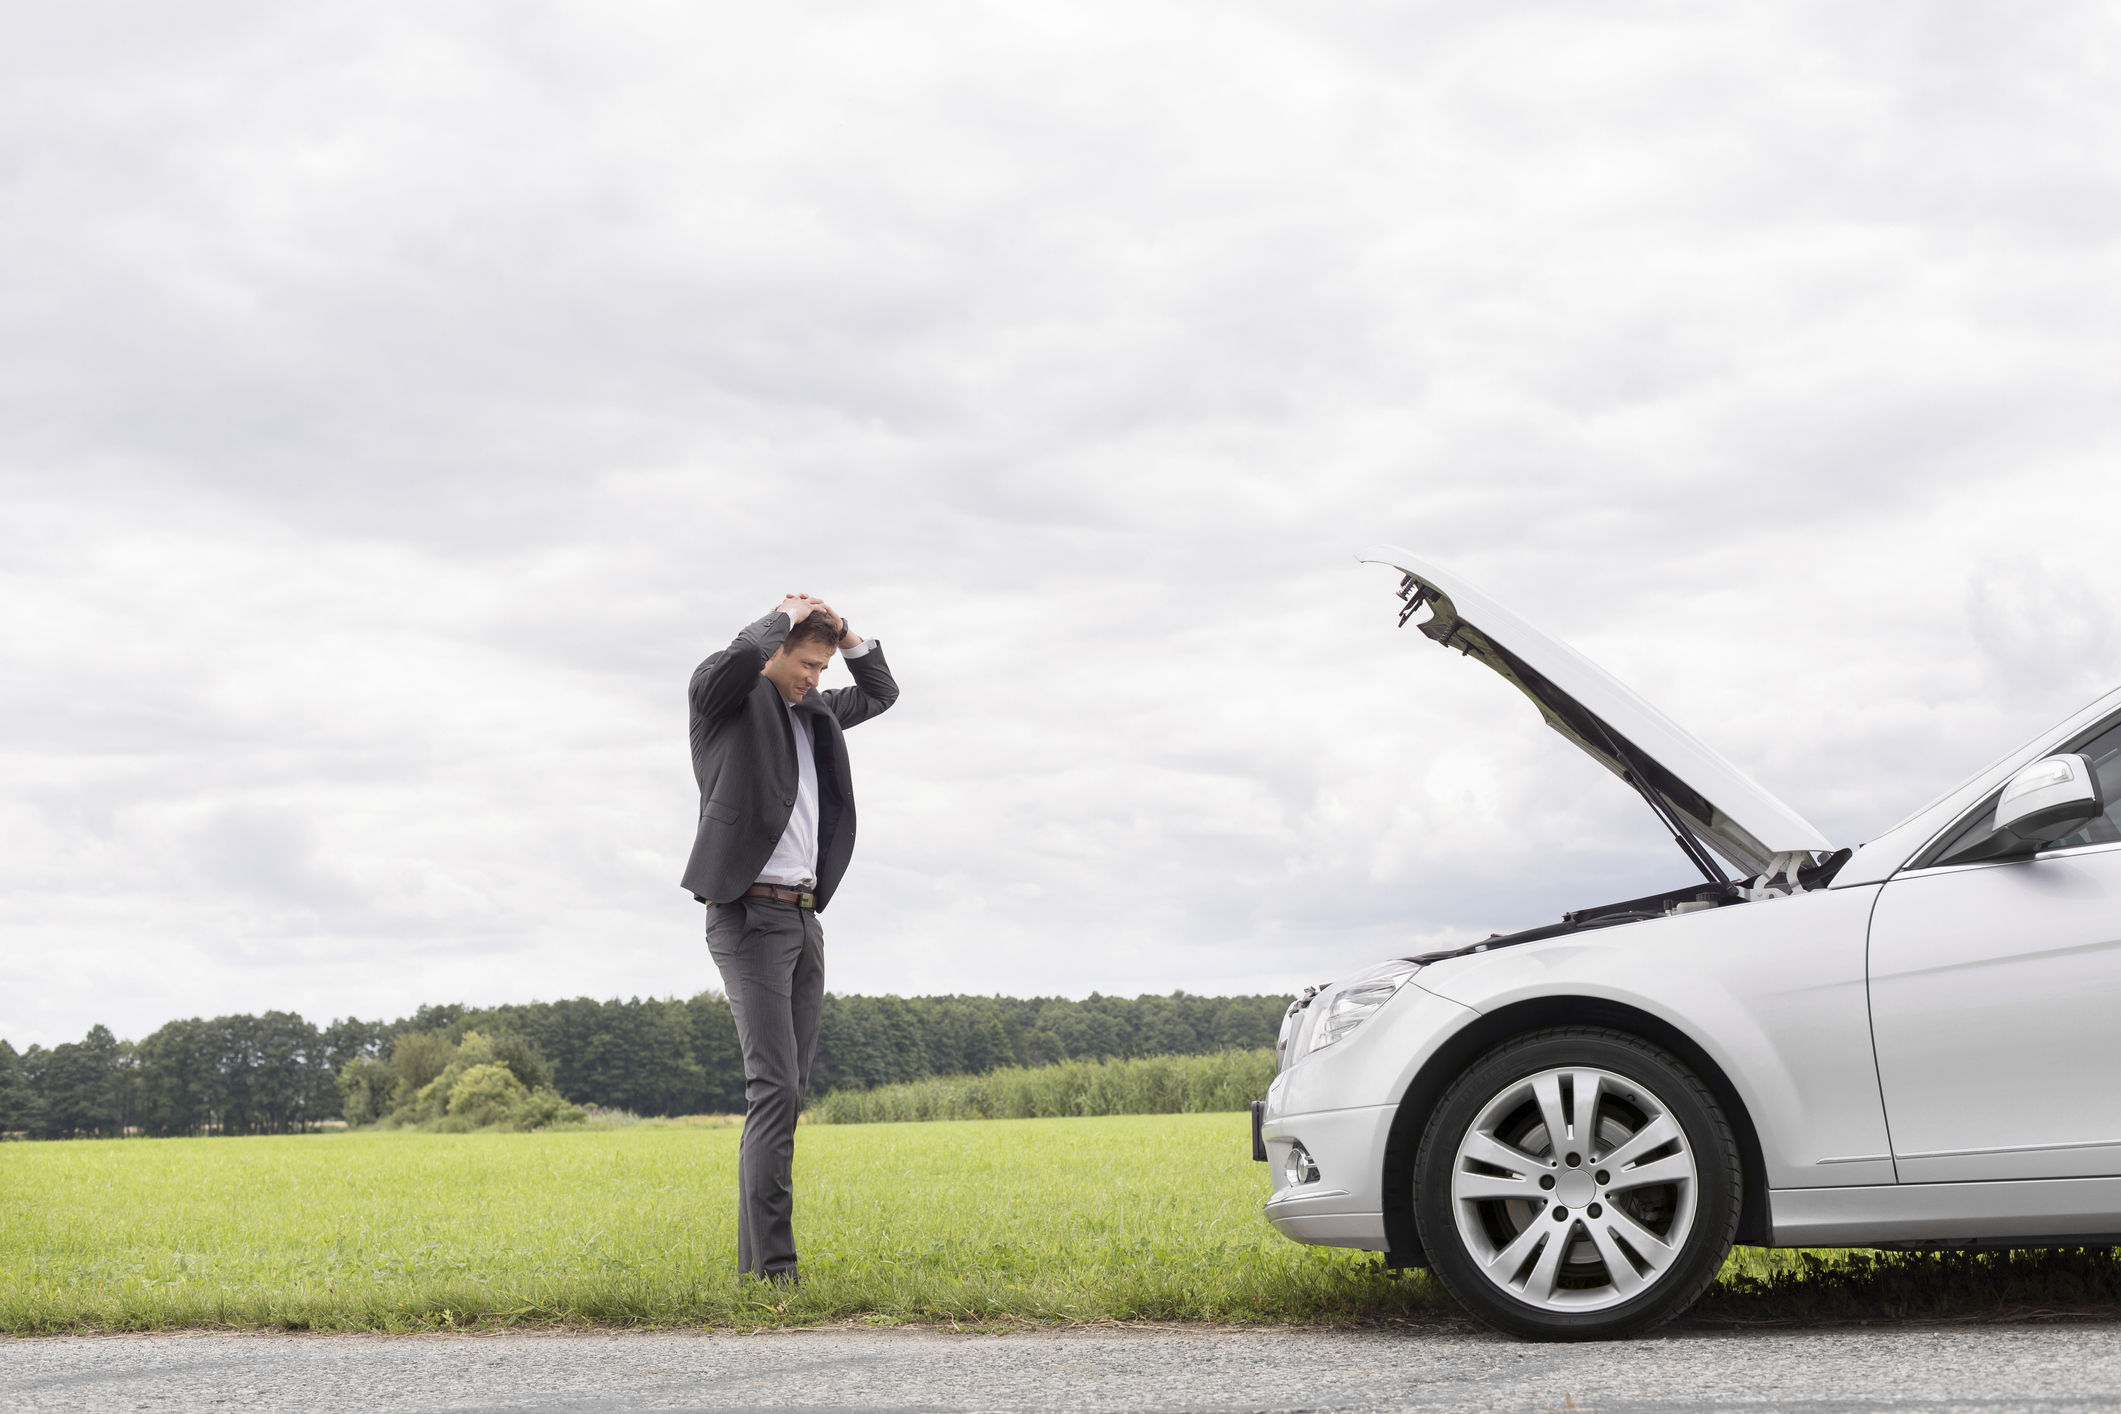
701,690
717,692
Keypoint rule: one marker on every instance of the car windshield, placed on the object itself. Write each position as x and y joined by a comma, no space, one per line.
2105,752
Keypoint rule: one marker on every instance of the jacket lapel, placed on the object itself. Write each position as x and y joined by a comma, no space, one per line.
824,731
820,715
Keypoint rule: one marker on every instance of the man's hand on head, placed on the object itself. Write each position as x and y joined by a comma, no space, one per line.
848,637
799,607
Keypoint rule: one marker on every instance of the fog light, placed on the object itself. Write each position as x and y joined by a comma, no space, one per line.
1299,1168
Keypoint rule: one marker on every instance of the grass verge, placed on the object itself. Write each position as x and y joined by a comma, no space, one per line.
1766,1287
984,1222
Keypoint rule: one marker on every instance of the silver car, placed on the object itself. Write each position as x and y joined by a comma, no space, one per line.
1899,1044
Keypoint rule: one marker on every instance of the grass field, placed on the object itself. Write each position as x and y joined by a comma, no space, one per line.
980,1222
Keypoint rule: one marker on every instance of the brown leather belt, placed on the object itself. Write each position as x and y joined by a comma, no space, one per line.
795,896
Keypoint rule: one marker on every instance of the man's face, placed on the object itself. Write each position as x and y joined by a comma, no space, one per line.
795,669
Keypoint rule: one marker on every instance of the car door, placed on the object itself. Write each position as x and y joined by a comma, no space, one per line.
1996,1003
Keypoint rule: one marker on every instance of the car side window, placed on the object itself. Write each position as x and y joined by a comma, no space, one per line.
2105,751
2104,748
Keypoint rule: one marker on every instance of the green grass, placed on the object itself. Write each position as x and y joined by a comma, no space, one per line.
981,1222
1763,1287
1154,1085
984,1223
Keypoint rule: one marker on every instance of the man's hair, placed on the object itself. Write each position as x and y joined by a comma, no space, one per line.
815,627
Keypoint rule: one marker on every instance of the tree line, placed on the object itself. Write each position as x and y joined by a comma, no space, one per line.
278,1073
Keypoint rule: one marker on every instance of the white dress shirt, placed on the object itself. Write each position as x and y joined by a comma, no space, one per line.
793,864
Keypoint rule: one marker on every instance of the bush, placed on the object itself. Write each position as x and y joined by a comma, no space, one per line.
506,1055
365,1088
543,1109
476,1083
1227,1080
485,1094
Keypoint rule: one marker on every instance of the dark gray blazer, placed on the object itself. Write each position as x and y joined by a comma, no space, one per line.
743,756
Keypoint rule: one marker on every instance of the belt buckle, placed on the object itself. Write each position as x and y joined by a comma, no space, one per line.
806,901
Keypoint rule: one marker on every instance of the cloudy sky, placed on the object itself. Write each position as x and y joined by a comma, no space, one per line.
399,400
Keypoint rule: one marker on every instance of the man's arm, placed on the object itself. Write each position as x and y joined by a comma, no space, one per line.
721,683
874,688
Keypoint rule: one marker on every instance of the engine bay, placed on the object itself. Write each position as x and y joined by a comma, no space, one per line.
1794,878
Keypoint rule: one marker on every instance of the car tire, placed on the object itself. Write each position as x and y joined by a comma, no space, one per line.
1610,1232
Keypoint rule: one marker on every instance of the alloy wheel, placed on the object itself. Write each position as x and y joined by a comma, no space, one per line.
1574,1190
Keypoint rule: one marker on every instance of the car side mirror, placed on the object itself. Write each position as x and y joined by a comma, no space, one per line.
2050,798
2046,801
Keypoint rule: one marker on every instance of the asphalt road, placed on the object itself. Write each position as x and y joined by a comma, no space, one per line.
1995,1370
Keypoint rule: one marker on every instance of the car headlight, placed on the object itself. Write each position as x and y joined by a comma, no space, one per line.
1357,1000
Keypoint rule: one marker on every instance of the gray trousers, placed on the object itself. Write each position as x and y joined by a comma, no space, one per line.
772,957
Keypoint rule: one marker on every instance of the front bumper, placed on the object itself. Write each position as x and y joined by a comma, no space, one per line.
1363,1231
1344,1206
1318,1101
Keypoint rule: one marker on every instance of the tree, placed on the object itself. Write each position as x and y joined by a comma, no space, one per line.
720,1057
21,1108
80,1086
365,1089
659,1056
181,1085
418,1057
348,1037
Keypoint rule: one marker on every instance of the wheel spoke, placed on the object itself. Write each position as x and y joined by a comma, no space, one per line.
1654,1135
1547,1090
1546,1267
1672,1168
1504,1264
1656,1253
1481,1187
1583,1097
1490,1150
1619,1270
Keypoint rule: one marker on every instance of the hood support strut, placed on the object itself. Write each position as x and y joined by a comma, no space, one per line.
1689,843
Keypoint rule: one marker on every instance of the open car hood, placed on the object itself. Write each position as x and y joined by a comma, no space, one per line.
1679,776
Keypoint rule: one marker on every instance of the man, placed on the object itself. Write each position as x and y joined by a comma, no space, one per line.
776,832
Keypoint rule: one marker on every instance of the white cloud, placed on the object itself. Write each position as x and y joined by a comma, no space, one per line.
395,402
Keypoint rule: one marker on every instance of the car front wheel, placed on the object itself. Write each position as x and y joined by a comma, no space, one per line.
1577,1184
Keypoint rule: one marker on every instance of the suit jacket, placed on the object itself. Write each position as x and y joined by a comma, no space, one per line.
743,756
